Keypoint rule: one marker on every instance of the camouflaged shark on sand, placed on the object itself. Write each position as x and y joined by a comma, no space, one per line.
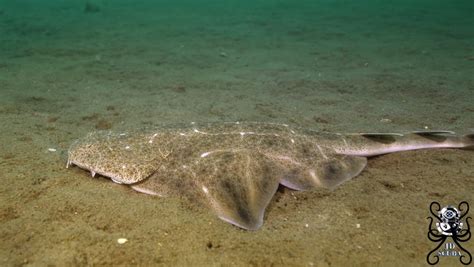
236,168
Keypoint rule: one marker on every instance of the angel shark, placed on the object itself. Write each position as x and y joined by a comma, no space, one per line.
236,168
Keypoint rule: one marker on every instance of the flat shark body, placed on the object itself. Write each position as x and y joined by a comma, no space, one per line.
235,168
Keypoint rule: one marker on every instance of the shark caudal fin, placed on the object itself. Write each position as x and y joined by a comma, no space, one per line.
372,144
468,141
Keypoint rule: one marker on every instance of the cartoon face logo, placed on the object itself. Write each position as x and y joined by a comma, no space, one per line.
450,221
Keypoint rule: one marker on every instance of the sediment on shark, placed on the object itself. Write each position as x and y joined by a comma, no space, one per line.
235,168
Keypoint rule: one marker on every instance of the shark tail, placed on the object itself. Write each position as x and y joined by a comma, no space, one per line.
468,141
372,144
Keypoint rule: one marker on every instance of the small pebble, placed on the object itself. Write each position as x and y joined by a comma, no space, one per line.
122,241
52,149
358,225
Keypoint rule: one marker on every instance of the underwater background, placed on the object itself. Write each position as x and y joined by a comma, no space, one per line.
71,67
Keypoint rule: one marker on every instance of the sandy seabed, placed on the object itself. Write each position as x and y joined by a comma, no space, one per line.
67,69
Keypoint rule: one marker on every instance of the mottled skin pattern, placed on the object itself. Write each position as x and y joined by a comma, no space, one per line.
235,168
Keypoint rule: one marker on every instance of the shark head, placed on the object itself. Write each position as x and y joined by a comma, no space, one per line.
119,160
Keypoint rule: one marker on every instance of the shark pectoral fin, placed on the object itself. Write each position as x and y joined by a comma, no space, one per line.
240,187
327,173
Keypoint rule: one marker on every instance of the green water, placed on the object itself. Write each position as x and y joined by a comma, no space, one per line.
71,67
